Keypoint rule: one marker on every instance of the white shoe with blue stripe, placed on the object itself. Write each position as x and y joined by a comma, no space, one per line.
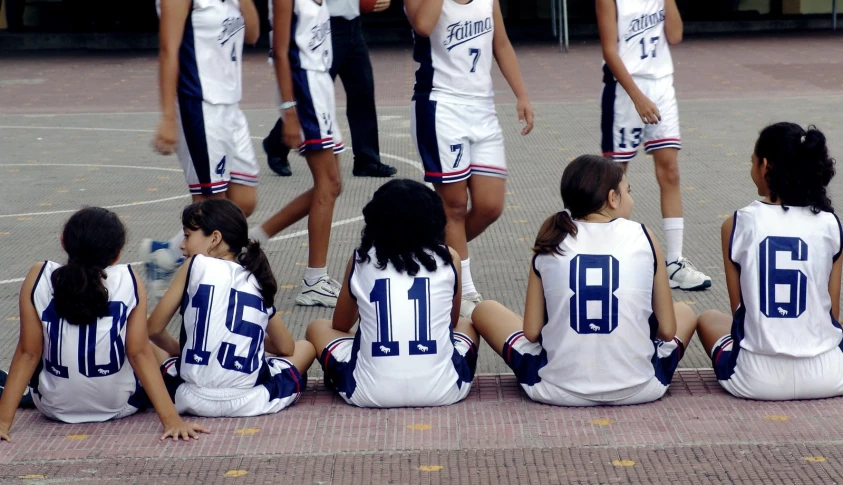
324,292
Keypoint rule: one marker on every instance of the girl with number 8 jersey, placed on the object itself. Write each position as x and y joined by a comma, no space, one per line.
783,266
411,348
599,326
454,123
225,292
83,339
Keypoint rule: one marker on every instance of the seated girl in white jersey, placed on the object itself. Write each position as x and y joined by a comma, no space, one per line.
782,260
454,124
83,340
411,347
225,293
599,326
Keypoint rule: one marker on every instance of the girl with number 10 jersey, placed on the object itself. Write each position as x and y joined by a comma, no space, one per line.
225,292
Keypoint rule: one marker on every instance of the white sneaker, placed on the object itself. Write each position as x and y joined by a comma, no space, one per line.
468,303
159,264
684,275
322,293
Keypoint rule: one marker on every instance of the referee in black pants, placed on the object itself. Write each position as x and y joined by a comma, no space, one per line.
351,63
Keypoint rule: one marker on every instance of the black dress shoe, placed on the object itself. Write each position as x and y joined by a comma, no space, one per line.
376,169
278,163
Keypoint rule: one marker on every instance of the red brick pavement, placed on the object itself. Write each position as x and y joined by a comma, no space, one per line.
496,436
804,64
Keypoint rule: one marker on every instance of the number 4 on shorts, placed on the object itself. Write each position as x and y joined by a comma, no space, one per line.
458,150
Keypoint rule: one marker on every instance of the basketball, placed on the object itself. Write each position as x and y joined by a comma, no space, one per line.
367,6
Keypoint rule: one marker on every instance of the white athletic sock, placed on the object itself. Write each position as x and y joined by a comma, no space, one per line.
258,234
175,246
467,283
674,229
312,275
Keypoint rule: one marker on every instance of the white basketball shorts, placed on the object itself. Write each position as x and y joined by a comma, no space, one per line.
214,146
622,129
316,108
456,141
281,389
776,377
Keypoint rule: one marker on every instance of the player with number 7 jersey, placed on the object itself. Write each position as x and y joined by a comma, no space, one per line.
411,348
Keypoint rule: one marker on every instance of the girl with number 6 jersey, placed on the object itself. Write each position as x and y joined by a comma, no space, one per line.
411,347
599,326
783,266
83,338
225,292
454,123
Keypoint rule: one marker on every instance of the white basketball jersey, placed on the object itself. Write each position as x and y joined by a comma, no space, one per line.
785,260
310,45
642,44
224,324
86,376
456,60
211,54
404,354
598,298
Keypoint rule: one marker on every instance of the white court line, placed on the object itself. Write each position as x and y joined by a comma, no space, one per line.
118,206
76,128
135,167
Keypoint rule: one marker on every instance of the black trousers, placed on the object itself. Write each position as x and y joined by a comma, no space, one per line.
352,65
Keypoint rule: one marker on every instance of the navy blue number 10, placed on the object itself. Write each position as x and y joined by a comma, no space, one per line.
419,293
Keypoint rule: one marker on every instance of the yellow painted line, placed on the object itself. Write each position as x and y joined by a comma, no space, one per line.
602,421
419,427
24,218
63,191
13,319
247,431
152,189
32,477
430,468
289,287
690,302
77,437
14,170
45,204
80,179
814,459
519,221
299,263
236,473
776,417
4,233
623,463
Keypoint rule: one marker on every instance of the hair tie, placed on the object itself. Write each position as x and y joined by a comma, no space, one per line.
567,211
802,140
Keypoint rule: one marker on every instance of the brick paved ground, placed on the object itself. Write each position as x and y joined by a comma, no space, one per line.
75,129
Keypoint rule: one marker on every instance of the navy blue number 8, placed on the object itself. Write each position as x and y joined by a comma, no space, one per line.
88,367
594,306
783,291
419,293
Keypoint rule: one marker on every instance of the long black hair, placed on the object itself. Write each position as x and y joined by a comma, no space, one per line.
93,239
586,183
224,216
798,166
404,220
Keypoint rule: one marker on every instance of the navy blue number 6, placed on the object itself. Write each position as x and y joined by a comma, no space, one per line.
594,306
783,291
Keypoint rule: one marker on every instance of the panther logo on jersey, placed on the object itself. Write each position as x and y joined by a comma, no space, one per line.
462,32
230,27
642,24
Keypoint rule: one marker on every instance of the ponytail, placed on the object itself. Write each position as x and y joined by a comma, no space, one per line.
255,261
79,295
554,230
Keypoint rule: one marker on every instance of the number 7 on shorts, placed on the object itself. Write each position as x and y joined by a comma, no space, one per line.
458,150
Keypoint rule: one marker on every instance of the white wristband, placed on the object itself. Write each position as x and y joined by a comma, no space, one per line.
287,105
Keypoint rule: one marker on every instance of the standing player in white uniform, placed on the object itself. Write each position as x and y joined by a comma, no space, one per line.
302,56
411,347
599,325
225,294
201,85
454,124
83,335
639,106
783,267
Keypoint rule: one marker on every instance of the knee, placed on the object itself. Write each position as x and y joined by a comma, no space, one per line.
707,318
315,328
456,208
667,173
489,211
248,206
330,188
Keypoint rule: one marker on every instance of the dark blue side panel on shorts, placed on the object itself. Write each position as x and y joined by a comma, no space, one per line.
525,366
339,376
426,137
304,107
284,384
607,112
664,367
465,365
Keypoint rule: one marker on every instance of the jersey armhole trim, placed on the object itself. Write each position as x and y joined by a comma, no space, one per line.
351,275
134,283
184,296
652,249
840,239
535,269
456,276
37,281
732,237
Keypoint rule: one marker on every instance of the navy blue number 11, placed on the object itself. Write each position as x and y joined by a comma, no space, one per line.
419,293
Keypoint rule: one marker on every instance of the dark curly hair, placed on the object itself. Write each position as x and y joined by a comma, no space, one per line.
93,239
405,222
224,216
798,166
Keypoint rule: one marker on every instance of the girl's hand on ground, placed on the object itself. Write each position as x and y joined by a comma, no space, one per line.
184,430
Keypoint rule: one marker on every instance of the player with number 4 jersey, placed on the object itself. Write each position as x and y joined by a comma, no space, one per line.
225,293
411,348
783,269
454,123
84,348
599,326
639,108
